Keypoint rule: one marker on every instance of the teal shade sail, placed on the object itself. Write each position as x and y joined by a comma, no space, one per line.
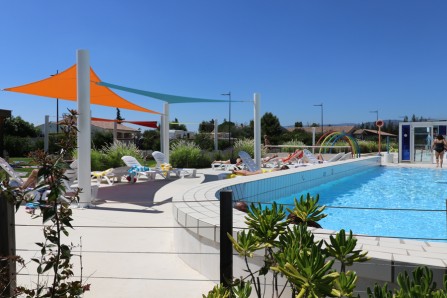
171,99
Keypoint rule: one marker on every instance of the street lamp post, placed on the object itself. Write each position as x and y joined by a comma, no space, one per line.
57,108
321,105
377,114
229,115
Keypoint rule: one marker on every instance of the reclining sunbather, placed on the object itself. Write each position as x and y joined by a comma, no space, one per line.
248,173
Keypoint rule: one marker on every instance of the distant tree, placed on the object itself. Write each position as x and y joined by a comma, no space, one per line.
299,124
414,118
206,126
150,140
297,134
224,126
204,141
177,126
315,125
16,126
118,115
271,127
406,119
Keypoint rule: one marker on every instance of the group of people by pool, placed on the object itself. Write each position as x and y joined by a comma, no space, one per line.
439,145
238,170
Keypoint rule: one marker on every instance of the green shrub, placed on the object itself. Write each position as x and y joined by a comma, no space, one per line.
204,141
98,161
101,139
18,146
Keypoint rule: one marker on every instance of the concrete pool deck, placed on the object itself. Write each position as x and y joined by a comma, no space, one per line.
127,242
131,241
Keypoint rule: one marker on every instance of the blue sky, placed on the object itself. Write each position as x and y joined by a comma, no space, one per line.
353,56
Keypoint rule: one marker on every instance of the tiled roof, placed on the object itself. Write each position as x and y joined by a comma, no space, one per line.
109,126
373,132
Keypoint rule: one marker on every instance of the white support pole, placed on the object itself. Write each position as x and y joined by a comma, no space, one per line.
216,143
46,133
84,127
165,138
257,127
313,139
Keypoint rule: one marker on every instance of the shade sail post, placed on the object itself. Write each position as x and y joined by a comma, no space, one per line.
84,127
257,127
165,137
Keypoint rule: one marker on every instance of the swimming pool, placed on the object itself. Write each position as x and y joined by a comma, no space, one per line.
383,187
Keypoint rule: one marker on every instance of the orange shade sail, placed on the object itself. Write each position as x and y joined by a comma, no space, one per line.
63,86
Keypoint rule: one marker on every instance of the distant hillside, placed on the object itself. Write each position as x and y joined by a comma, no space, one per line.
395,122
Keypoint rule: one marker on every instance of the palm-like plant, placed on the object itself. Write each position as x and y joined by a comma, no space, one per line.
379,292
345,284
311,277
342,248
307,210
267,224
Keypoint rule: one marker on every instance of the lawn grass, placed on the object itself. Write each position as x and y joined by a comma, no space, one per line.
26,161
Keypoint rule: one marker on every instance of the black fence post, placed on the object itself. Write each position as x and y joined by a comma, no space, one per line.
226,247
7,248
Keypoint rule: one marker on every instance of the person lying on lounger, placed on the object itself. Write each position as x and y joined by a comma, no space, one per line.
237,162
248,173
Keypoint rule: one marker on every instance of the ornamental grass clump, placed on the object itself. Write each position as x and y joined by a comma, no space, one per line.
115,151
186,154
247,145
294,144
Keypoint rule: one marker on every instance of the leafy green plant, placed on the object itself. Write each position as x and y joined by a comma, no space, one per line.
312,276
307,211
379,292
291,251
420,284
55,255
342,248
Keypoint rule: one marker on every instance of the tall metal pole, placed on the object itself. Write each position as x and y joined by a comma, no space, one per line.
57,108
229,116
377,114
321,106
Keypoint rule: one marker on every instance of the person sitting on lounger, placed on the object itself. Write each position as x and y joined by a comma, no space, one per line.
31,181
248,173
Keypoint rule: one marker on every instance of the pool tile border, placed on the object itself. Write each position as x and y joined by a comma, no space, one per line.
198,210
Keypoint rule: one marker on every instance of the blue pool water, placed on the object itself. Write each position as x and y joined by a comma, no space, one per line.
382,187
